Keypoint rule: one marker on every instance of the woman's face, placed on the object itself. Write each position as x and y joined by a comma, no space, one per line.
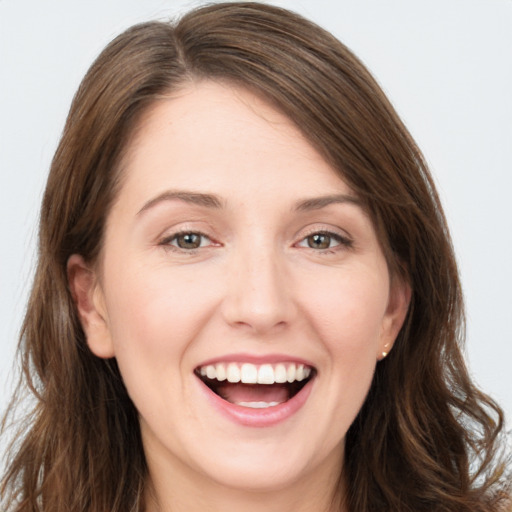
234,252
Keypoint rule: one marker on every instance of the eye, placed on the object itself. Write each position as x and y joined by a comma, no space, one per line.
323,240
187,240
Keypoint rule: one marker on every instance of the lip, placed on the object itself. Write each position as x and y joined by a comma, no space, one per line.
257,359
257,418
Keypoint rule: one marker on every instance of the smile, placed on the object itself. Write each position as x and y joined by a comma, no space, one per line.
254,392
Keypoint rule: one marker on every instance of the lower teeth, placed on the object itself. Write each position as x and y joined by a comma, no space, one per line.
258,405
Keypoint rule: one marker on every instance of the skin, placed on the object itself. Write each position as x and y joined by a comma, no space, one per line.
255,286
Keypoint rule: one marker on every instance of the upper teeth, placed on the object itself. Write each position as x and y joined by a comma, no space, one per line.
248,373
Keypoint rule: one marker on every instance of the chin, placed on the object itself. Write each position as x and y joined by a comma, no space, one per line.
262,476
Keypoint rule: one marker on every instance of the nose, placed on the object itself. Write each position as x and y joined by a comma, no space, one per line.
259,295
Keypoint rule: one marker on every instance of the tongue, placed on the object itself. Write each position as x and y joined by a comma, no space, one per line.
236,393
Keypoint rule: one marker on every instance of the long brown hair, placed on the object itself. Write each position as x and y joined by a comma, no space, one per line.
426,439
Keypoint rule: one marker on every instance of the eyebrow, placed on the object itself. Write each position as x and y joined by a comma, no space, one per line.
197,198
213,201
317,203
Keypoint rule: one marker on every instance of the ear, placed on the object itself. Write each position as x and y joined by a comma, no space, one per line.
90,304
398,305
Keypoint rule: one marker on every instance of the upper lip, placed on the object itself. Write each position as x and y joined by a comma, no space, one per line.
256,359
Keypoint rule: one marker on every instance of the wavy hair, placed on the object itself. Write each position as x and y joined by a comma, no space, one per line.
426,438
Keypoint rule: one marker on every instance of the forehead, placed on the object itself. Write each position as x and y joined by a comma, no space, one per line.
223,139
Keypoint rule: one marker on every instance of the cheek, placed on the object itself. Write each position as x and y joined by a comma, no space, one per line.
348,309
154,303
347,317
344,310
154,314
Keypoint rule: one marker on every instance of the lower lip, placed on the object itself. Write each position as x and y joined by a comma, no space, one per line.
267,417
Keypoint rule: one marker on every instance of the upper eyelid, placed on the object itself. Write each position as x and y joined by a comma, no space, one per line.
320,228
341,240
344,240
184,228
167,244
328,230
175,234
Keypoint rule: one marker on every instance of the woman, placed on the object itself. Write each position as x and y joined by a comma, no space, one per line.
246,294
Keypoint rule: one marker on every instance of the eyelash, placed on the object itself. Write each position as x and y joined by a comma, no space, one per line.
342,241
167,241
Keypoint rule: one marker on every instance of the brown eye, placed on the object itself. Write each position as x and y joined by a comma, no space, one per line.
324,240
319,241
189,241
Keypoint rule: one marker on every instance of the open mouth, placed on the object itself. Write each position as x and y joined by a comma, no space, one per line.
256,386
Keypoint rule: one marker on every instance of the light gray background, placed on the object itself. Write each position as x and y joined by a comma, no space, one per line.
445,64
